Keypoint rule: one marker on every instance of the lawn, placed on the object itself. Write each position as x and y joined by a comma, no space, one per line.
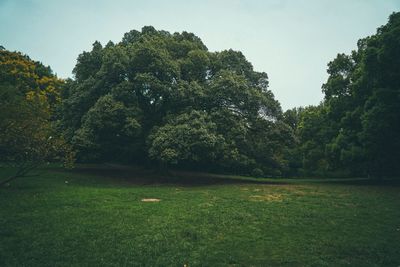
96,217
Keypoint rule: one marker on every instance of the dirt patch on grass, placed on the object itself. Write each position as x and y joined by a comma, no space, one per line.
151,200
300,191
281,192
269,197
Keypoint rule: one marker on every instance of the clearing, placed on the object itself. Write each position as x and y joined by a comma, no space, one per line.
95,216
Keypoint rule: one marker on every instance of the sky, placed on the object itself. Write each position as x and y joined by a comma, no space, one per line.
291,40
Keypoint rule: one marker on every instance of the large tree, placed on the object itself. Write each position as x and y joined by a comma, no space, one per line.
128,100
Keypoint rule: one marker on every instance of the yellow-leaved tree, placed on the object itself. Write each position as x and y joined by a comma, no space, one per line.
29,95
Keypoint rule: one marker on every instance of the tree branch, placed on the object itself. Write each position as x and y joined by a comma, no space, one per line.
9,179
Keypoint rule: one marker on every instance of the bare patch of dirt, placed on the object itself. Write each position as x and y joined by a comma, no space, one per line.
151,200
269,197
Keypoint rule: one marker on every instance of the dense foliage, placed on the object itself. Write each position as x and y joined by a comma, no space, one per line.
162,98
356,129
29,94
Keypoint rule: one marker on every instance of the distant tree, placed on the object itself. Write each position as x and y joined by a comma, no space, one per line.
292,117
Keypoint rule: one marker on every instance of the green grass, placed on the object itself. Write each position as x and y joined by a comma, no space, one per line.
98,219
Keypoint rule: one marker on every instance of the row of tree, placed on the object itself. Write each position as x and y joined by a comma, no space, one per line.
163,100
356,128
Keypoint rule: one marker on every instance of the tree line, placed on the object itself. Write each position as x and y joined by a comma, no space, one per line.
163,100
356,128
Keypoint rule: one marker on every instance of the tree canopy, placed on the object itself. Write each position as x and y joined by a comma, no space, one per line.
162,98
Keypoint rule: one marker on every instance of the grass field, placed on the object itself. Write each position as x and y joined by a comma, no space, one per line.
95,217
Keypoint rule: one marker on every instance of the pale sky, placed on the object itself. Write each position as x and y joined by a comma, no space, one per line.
291,40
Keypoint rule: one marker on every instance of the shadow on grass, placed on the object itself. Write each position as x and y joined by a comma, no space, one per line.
367,182
142,176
